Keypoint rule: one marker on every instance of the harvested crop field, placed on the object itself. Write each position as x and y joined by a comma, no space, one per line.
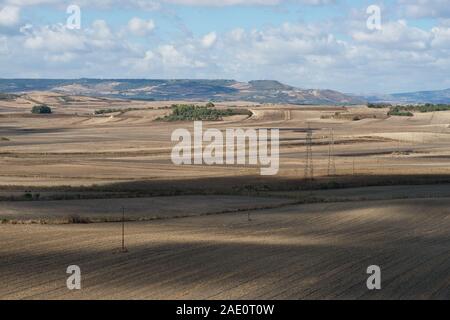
137,209
83,149
221,231
313,251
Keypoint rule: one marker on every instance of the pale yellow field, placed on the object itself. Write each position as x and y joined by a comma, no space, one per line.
82,150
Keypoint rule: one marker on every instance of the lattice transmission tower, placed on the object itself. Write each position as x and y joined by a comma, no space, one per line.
331,158
309,165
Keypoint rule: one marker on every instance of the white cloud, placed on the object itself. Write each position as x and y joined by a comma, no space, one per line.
338,54
425,8
9,16
141,27
53,39
171,56
245,2
396,35
209,40
441,37
23,3
3,45
57,38
156,4
100,30
237,34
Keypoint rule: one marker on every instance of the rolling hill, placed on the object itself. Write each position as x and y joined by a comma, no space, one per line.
260,91
439,96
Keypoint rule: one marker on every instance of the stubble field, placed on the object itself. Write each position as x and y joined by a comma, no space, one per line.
188,231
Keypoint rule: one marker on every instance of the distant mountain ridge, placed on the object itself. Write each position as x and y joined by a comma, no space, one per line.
259,91
438,96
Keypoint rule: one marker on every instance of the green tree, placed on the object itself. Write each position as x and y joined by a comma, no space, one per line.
41,109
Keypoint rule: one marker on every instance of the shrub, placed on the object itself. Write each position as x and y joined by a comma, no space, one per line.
105,111
185,112
28,196
210,105
406,110
41,109
379,105
121,111
76,219
396,111
8,96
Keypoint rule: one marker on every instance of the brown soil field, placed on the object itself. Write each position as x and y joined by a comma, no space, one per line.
221,232
316,251
137,209
68,149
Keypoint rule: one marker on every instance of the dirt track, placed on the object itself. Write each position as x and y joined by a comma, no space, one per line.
311,251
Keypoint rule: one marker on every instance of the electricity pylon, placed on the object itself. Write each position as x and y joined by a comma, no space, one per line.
309,165
331,159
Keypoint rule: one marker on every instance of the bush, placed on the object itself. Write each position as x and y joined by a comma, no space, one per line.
396,111
41,109
8,96
105,111
185,112
28,196
379,105
76,219
210,105
121,111
428,107
407,110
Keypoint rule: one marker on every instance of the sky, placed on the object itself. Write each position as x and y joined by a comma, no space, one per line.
359,47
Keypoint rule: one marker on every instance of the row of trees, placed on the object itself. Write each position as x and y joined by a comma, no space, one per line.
407,110
427,107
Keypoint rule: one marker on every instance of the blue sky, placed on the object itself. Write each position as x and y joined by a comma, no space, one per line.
306,43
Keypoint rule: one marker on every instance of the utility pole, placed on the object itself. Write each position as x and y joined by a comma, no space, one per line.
124,249
353,165
331,159
309,165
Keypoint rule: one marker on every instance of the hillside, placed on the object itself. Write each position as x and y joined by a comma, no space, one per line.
261,91
439,96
